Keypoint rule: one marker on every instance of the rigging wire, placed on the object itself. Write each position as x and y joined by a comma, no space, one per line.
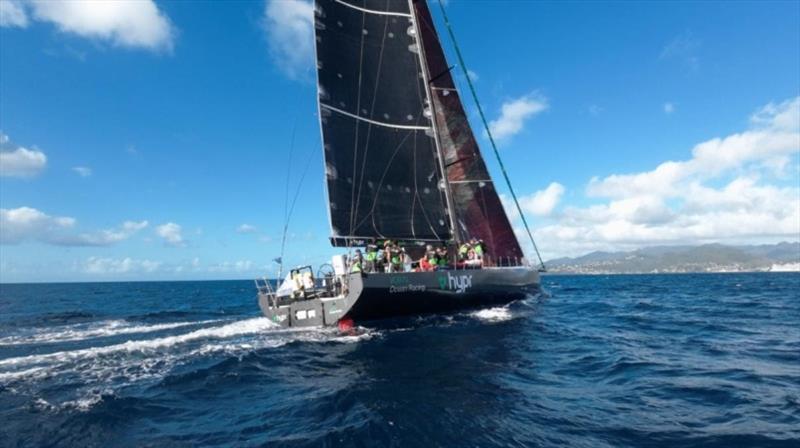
488,132
289,209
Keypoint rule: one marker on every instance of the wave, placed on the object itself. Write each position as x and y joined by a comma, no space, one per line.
82,372
79,332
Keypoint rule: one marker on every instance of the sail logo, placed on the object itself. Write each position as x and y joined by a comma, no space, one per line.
458,283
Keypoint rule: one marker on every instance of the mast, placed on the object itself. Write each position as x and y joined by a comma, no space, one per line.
448,194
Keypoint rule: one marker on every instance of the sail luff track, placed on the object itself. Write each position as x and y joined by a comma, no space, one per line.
426,76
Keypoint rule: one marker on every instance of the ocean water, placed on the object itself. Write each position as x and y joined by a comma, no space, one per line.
641,361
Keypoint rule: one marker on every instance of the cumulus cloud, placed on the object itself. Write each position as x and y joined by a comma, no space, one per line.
12,14
171,233
83,171
246,228
289,26
774,135
514,113
17,161
127,23
543,202
725,192
25,224
104,266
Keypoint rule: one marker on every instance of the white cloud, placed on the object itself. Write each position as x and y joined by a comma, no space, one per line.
29,224
22,162
543,202
83,171
25,223
514,113
685,48
171,233
726,192
127,23
669,108
246,228
110,236
774,135
289,25
104,266
16,161
233,266
12,14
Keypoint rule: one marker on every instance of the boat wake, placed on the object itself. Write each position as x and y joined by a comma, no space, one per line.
49,379
91,330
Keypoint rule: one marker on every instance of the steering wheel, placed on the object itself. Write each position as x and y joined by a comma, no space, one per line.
326,270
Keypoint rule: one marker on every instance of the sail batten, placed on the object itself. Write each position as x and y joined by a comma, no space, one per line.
373,11
375,122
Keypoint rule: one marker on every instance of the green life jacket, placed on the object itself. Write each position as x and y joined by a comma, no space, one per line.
433,259
356,267
463,250
478,249
372,256
442,261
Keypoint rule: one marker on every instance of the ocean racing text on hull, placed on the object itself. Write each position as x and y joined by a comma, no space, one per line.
406,182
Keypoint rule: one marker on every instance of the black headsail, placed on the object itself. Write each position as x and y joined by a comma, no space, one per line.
384,178
478,210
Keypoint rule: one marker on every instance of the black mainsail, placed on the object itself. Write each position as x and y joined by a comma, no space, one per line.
401,159
384,178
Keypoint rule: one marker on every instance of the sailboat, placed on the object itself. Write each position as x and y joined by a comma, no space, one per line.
401,164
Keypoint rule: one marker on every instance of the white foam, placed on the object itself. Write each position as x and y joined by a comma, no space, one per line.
242,327
113,367
79,332
497,314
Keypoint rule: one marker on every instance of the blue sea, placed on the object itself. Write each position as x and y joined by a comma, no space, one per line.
600,361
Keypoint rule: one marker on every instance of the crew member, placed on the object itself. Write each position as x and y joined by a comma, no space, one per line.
441,258
356,264
371,258
433,258
463,251
472,260
396,259
479,247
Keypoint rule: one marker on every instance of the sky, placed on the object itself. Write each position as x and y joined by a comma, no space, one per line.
153,140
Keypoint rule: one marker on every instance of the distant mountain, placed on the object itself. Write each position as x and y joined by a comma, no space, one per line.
662,259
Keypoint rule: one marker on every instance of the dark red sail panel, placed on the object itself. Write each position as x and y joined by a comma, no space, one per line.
478,209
